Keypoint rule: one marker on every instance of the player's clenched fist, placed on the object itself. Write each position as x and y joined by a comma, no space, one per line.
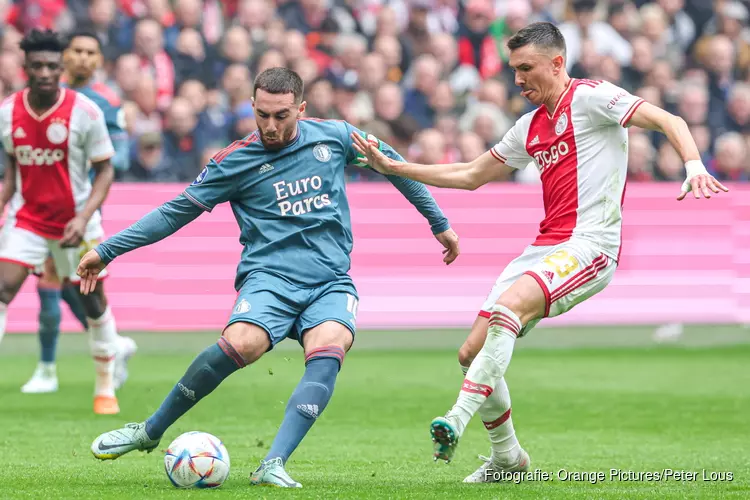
88,269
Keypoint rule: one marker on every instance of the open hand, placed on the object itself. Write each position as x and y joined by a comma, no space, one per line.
372,156
701,183
88,269
449,239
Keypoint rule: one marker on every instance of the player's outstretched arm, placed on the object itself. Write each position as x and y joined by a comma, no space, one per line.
470,175
698,179
152,227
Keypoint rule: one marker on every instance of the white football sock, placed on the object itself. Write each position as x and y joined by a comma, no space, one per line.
103,342
3,319
495,415
489,366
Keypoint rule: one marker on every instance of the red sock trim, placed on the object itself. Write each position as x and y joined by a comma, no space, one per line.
329,351
474,388
498,422
230,351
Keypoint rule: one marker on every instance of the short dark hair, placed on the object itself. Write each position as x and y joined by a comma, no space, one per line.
543,35
85,32
42,41
280,81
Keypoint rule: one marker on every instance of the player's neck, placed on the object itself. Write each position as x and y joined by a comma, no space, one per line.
42,102
554,97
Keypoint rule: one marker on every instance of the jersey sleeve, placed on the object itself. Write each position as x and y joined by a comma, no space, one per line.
609,104
511,150
98,145
216,184
6,134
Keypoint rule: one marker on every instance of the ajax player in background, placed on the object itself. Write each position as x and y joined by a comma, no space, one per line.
53,137
285,183
577,139
81,59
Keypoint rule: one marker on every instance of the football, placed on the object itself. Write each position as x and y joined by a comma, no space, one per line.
197,460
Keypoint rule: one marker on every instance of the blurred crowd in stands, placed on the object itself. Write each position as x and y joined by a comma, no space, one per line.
429,77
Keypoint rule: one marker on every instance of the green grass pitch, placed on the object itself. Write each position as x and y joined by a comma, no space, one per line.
584,400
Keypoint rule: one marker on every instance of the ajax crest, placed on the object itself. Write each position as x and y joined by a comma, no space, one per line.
242,307
562,124
57,132
322,152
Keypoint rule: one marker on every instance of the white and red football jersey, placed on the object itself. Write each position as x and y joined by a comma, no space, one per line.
581,151
53,154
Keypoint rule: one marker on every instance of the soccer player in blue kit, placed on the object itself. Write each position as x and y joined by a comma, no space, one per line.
285,183
81,59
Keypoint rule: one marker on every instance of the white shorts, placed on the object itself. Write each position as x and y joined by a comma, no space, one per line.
31,250
568,273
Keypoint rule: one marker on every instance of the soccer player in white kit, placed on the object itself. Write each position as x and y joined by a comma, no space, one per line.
52,137
577,138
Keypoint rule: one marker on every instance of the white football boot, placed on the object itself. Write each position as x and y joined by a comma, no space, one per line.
272,473
114,444
43,380
126,347
493,468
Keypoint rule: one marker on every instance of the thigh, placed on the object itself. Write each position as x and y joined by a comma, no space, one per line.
23,247
337,307
67,259
571,273
268,309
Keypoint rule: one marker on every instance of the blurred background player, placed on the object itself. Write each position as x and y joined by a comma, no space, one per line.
53,136
287,189
81,59
576,137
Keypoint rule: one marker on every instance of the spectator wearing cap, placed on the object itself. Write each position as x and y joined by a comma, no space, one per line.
586,26
475,44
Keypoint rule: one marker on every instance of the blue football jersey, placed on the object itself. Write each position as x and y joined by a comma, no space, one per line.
291,204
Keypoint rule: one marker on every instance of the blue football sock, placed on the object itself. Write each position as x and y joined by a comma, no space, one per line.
204,374
49,322
71,296
308,400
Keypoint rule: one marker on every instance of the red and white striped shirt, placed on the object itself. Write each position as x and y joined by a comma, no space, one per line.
581,151
53,154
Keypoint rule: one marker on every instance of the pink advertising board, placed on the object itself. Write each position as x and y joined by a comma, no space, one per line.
681,261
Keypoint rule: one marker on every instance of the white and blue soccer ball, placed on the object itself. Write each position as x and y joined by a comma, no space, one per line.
197,460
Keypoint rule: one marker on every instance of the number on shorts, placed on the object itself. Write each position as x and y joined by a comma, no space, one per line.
562,261
351,304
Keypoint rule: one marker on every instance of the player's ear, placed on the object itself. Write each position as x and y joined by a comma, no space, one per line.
302,107
558,63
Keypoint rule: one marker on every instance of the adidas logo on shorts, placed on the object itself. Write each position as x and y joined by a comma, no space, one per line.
311,410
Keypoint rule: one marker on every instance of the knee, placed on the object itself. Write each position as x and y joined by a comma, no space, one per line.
466,354
7,293
250,341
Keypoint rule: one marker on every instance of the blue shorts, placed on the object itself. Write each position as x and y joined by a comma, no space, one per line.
284,310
